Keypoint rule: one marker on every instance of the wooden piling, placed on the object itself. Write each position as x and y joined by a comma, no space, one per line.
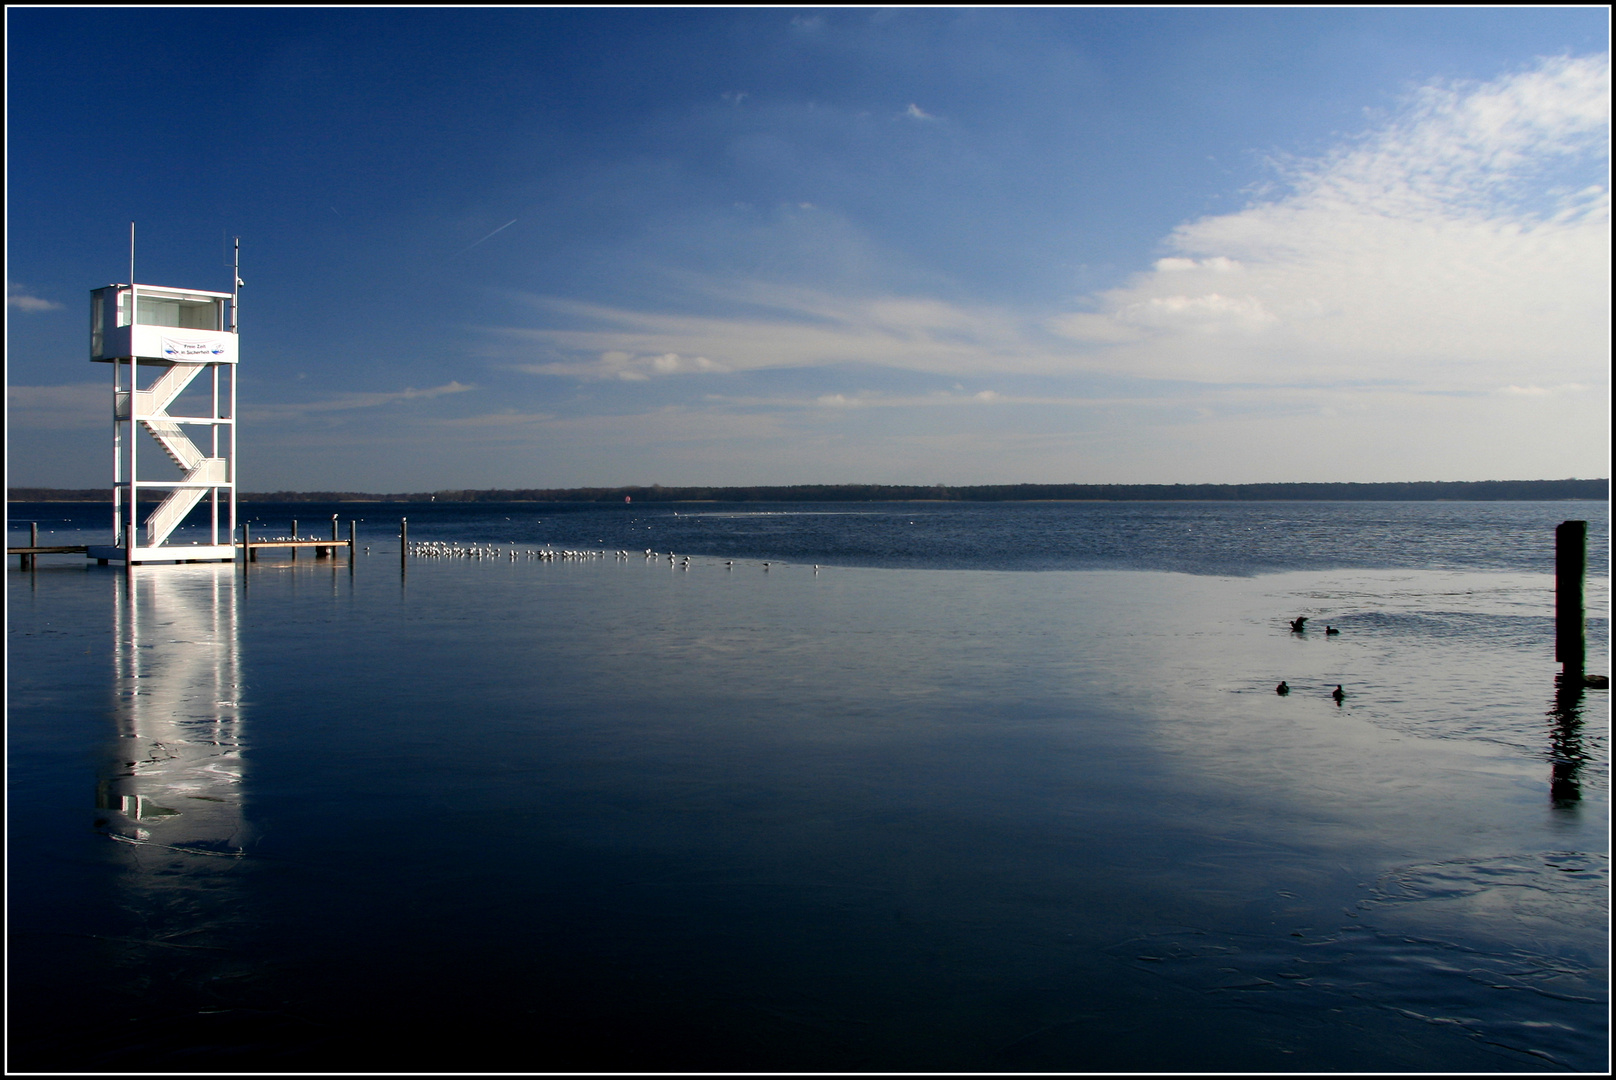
403,543
28,561
1570,567
353,535
246,544
294,537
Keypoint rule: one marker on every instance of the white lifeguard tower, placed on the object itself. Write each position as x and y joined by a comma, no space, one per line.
168,337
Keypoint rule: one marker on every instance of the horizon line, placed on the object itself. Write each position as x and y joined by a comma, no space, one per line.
1595,489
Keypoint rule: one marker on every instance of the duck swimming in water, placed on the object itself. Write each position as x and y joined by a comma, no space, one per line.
1338,693
1283,688
1296,624
1328,630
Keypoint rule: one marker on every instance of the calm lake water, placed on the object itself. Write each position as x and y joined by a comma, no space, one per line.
997,787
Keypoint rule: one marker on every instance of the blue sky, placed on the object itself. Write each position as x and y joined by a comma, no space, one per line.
556,248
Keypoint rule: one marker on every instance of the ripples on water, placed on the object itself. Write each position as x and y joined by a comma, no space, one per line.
613,814
1478,945
1198,538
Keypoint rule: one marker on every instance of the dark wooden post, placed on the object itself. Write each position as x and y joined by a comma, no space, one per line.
332,550
246,544
1570,565
29,560
294,537
353,534
403,542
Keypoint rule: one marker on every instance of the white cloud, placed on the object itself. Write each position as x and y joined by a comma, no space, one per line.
1443,250
18,297
1217,264
674,364
76,405
1092,328
1437,249
1547,391
872,399
628,366
510,418
1209,313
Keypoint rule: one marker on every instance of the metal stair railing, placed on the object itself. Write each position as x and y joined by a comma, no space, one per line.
172,510
152,401
175,442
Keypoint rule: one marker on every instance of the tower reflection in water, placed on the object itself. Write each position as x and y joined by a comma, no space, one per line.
184,960
175,777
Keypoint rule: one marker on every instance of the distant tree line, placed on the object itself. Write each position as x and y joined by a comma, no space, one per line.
1417,491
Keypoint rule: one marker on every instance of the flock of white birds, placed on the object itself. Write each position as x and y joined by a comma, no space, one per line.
438,549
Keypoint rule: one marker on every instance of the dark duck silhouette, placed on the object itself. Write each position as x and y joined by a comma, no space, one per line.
1297,624
1338,693
1282,689
1328,630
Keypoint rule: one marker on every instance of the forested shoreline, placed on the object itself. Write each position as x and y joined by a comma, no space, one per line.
1417,491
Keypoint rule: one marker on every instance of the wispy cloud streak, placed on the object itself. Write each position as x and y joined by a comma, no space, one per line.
490,236
349,402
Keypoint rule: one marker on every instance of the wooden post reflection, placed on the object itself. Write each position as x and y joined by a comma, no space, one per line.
1566,752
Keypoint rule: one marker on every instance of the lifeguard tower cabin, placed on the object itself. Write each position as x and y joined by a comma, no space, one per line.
158,341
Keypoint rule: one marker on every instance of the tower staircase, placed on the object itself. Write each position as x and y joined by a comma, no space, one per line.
201,471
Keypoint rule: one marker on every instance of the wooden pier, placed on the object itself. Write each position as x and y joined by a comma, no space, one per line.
323,548
248,547
28,553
